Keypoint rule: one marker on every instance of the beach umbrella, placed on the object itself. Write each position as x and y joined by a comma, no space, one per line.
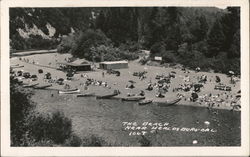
231,72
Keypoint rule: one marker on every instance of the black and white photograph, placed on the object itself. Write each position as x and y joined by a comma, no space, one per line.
125,76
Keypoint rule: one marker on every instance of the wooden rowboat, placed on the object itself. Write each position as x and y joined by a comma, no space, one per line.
170,103
106,96
134,98
30,85
69,91
17,66
145,102
85,95
42,87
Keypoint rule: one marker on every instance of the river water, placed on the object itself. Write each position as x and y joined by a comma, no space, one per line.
106,119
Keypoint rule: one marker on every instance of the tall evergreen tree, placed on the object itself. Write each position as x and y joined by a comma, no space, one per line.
203,27
100,21
234,50
216,39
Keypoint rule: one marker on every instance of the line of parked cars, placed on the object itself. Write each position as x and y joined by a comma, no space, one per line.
26,75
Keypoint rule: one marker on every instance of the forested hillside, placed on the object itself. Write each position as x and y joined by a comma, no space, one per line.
204,37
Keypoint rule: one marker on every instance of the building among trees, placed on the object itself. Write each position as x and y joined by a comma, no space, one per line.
114,65
78,65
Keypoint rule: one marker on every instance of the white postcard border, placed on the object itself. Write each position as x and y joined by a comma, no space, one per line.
6,150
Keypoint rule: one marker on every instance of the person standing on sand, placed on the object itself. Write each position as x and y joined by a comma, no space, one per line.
103,74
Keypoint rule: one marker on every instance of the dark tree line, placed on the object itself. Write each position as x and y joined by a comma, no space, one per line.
179,34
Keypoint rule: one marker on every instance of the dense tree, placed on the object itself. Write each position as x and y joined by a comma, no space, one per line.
100,21
216,39
199,28
181,32
234,50
85,41
20,107
119,24
62,19
153,32
231,28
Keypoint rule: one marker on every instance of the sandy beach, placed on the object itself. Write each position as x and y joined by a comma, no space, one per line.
48,61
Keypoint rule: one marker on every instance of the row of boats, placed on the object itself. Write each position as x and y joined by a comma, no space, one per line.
141,99
37,86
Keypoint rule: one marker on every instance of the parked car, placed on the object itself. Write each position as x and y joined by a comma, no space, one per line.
26,75
33,77
222,87
19,73
40,71
60,81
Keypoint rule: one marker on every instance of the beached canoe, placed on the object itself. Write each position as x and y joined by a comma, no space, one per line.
106,96
170,103
85,95
222,87
42,86
134,98
145,102
16,66
30,85
69,91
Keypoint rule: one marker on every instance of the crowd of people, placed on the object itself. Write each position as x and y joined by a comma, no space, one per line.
190,90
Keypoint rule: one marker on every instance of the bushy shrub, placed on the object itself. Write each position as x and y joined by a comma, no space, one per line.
144,60
83,44
145,142
73,141
66,43
38,42
128,55
130,46
86,40
168,57
95,46
17,42
157,48
32,42
111,53
56,128
61,127
20,107
94,140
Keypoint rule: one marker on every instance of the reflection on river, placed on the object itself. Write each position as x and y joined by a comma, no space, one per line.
104,118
